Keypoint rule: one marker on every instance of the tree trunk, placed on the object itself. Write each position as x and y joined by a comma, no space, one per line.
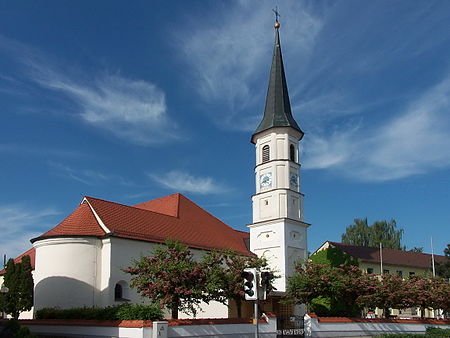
175,305
175,311
238,301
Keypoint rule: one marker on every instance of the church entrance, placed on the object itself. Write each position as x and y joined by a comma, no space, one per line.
290,326
288,323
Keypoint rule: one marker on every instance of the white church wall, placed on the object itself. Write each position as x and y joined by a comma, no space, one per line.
122,254
83,272
66,272
103,273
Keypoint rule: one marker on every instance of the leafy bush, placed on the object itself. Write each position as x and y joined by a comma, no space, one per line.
437,332
328,307
14,330
400,335
431,332
139,312
121,312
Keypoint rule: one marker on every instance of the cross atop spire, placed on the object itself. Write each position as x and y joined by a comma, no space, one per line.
277,14
277,112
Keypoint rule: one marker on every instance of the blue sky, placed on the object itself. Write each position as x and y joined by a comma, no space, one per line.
130,102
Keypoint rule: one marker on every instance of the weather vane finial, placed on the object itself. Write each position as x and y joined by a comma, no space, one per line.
277,15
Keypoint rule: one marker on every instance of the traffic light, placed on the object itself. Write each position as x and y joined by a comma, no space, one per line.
250,284
266,284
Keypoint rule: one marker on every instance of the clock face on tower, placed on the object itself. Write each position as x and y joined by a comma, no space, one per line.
265,180
293,181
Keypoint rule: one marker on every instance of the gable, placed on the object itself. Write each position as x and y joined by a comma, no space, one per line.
173,216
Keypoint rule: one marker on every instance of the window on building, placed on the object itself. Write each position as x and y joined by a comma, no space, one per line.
369,270
399,273
266,153
292,152
412,273
121,291
385,271
118,292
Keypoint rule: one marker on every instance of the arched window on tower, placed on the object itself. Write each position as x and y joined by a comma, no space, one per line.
292,152
266,153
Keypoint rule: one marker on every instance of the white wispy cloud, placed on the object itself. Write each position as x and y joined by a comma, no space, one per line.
131,109
40,152
88,176
414,141
229,61
178,180
18,224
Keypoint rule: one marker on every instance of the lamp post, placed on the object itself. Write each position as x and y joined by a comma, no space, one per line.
4,289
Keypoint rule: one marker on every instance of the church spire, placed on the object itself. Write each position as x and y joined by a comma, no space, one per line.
277,112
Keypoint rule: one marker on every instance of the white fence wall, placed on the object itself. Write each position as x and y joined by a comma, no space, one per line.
342,327
212,328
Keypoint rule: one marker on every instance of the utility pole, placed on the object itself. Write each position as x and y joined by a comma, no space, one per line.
381,259
256,319
432,257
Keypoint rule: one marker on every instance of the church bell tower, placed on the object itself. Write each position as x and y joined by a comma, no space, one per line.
278,231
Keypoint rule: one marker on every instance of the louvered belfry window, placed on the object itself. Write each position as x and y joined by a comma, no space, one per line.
292,152
266,153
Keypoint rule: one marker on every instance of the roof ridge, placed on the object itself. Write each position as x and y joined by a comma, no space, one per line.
377,248
132,206
244,232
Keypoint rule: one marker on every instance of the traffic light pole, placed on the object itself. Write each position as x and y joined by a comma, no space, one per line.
256,319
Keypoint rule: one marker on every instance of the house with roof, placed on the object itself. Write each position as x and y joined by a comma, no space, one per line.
79,262
400,262
389,261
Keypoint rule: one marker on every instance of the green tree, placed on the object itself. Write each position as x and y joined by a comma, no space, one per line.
388,292
325,289
224,280
171,277
333,257
427,292
384,232
443,268
19,281
417,249
26,284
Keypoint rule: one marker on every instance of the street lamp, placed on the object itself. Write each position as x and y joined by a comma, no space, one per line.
4,289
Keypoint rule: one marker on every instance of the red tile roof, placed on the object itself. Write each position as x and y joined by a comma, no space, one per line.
390,256
167,205
81,222
173,216
31,252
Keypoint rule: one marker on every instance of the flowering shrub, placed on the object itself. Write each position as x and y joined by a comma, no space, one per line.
350,290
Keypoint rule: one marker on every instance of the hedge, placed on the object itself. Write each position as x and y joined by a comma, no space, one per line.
431,332
121,312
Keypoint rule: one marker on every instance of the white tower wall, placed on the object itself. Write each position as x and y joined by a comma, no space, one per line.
65,273
278,231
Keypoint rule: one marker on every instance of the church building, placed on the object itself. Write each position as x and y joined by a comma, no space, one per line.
79,262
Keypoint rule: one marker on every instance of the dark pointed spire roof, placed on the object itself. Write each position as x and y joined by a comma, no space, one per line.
277,112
